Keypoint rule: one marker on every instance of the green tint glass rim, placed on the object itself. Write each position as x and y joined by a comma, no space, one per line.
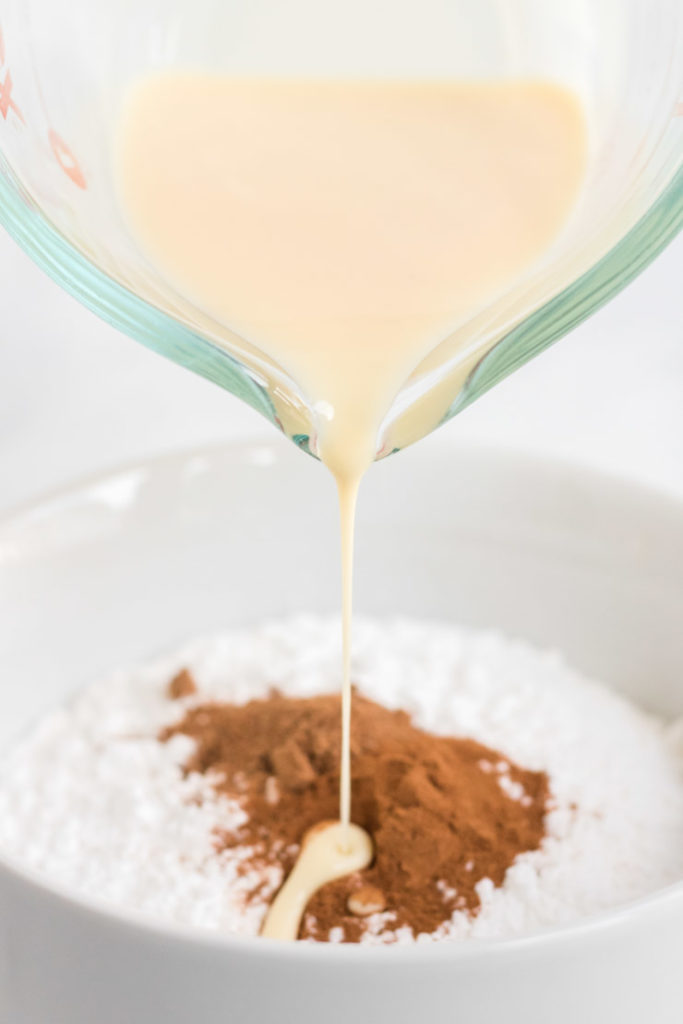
119,306
641,244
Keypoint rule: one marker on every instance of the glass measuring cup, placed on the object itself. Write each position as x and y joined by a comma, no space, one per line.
64,74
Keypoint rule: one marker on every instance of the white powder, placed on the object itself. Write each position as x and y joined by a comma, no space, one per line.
93,801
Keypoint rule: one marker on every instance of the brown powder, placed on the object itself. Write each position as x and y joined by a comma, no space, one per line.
434,805
182,685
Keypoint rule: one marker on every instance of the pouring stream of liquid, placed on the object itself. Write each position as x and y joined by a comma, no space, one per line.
345,229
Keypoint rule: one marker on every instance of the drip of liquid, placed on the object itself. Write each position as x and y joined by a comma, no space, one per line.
348,499
345,229
327,853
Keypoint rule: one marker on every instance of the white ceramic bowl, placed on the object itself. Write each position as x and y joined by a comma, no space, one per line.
125,565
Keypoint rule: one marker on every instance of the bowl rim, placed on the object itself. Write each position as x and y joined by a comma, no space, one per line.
264,454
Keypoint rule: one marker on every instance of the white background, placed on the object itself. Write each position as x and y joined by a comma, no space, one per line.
77,396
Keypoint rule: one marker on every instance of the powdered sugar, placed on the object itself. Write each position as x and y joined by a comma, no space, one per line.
94,801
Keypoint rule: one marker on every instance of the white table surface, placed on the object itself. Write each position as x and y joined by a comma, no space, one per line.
77,396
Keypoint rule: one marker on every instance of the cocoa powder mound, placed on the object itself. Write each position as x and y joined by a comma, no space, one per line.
443,812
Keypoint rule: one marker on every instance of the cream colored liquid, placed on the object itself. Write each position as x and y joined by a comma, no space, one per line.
346,228
327,853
